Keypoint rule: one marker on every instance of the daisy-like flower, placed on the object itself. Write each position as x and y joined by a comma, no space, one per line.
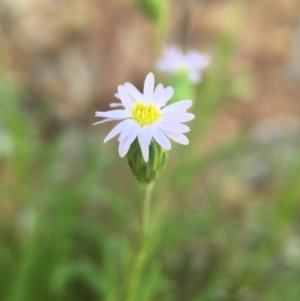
145,116
174,60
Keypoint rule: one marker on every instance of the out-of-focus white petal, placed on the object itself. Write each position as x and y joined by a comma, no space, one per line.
171,60
148,88
192,62
116,130
125,98
197,60
177,107
178,117
117,114
117,95
160,138
165,65
173,127
195,76
134,92
178,137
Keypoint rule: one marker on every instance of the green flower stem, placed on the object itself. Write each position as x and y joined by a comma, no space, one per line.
146,207
160,30
142,254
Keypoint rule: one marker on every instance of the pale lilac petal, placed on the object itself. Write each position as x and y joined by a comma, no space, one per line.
195,76
125,143
125,98
144,138
157,93
178,117
160,138
193,62
173,54
130,126
197,60
168,125
149,87
116,104
172,60
134,92
177,107
178,137
148,134
175,51
117,114
165,97
173,127
165,65
116,130
123,148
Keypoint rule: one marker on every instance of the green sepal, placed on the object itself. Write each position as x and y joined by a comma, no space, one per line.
153,9
147,172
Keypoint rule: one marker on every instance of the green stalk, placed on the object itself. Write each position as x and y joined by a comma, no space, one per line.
142,254
160,30
146,208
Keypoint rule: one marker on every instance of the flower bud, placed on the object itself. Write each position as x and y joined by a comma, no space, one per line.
147,172
153,9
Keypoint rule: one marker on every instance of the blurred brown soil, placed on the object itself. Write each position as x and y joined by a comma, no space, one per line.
77,52
268,52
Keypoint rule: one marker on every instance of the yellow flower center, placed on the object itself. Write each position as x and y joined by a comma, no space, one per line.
145,114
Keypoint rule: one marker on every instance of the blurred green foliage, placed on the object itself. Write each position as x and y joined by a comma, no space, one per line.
69,212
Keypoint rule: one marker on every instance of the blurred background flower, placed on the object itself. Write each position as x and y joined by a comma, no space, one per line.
191,62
